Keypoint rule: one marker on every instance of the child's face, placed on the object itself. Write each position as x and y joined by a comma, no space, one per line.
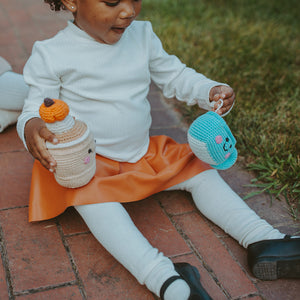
104,20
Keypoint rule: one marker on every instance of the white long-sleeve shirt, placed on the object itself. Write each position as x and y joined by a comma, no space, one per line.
106,86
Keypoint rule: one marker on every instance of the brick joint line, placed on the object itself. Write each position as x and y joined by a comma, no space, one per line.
5,263
45,288
72,261
13,207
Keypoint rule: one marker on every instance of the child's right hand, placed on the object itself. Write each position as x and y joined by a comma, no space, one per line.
36,134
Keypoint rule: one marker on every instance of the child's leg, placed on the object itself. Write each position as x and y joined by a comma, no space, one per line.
13,91
271,254
219,203
114,229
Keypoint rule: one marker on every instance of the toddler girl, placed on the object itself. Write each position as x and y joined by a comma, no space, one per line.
102,64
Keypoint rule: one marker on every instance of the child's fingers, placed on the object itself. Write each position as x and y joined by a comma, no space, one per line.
45,161
224,93
218,104
36,134
227,104
216,97
45,157
41,153
48,136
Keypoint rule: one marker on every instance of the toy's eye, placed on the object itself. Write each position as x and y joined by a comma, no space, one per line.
90,150
227,139
230,146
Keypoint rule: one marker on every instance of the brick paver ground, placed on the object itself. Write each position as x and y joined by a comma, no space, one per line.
60,259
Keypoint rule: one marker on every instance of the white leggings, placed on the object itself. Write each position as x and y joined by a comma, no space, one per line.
114,229
13,91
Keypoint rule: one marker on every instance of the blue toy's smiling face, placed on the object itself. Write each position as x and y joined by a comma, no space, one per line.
226,144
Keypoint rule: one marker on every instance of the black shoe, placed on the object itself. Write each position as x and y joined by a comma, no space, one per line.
191,276
273,259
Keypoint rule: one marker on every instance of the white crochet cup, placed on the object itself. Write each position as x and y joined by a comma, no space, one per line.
75,153
75,156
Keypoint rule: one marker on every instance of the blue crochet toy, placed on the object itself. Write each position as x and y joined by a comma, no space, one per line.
212,141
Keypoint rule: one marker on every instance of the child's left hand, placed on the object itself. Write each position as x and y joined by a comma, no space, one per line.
225,93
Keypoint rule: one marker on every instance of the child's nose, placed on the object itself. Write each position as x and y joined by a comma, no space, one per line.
128,10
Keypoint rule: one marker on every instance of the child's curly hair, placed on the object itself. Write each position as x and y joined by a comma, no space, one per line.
55,5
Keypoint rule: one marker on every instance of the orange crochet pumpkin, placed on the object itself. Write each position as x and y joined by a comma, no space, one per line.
53,110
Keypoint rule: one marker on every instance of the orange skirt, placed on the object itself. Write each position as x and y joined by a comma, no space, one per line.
166,164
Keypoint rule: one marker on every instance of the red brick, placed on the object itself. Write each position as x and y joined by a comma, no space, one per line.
4,21
228,272
37,257
27,40
12,52
10,141
63,293
15,179
176,202
156,227
8,38
287,289
239,253
20,17
71,222
3,285
103,277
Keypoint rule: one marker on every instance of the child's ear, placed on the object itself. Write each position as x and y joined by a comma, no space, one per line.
70,5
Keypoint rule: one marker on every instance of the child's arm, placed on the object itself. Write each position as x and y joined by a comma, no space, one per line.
184,83
43,82
36,134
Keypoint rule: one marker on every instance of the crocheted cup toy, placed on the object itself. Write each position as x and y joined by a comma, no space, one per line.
212,141
75,153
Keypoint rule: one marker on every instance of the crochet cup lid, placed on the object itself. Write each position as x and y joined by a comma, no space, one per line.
55,113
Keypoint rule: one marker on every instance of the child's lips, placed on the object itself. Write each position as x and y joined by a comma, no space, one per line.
120,29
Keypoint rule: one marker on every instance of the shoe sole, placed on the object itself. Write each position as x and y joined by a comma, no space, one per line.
268,269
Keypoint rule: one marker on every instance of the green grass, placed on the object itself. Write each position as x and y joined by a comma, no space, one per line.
253,46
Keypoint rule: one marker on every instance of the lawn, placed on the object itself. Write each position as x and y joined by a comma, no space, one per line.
255,47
